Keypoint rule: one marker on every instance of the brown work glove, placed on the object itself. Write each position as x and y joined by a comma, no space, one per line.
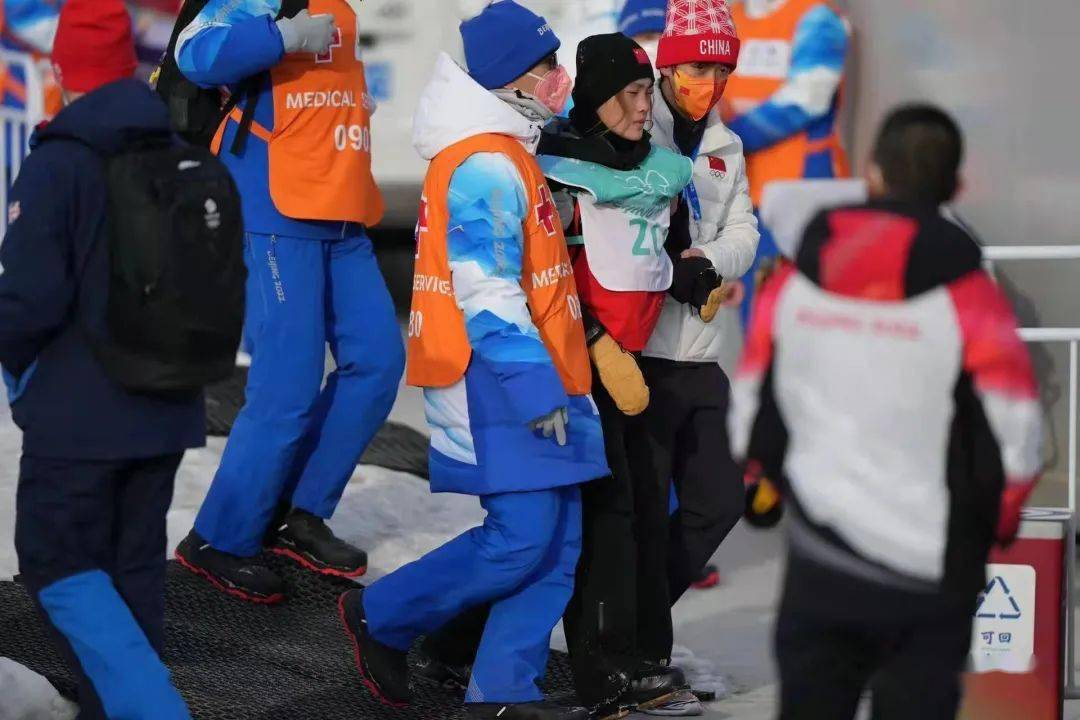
620,374
729,293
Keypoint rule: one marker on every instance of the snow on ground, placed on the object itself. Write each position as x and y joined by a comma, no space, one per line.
724,635
10,447
396,519
25,695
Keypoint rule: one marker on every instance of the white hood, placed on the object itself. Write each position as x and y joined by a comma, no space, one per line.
454,107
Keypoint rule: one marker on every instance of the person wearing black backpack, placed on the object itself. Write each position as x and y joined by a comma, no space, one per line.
105,420
296,136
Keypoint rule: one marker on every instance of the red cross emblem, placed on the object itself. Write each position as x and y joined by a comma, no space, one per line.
335,43
421,223
546,214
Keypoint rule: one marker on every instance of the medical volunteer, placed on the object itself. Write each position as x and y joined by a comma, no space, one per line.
497,343
299,145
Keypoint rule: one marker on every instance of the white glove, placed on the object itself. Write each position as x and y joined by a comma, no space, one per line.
553,424
307,33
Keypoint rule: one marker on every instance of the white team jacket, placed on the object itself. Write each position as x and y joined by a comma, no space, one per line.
727,233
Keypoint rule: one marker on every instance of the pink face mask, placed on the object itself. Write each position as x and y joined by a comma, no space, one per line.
554,89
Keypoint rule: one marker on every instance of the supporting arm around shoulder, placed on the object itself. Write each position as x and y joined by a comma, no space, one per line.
486,245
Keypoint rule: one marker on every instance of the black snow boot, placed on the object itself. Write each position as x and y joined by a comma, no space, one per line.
653,684
238,576
524,711
607,694
383,670
307,540
453,678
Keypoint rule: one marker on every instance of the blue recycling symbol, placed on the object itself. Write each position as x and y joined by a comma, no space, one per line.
1012,612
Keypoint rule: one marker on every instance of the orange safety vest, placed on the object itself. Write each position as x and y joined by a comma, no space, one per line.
439,350
764,62
320,147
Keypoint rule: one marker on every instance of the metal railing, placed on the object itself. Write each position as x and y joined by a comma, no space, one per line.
1070,337
16,125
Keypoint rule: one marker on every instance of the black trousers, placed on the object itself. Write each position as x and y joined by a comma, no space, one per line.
73,516
621,583
837,637
687,424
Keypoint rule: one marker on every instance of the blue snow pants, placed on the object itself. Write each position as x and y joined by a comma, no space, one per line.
296,440
90,536
522,560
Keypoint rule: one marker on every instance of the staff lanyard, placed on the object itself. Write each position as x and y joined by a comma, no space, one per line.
690,192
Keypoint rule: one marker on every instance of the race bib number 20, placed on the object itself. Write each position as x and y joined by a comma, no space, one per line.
650,238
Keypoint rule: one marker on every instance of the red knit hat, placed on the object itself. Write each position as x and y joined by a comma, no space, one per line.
94,45
698,31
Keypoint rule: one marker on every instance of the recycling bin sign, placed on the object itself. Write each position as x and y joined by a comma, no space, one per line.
1017,647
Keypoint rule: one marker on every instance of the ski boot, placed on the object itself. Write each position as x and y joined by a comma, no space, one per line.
305,539
383,670
240,577
524,711
614,702
654,684
452,678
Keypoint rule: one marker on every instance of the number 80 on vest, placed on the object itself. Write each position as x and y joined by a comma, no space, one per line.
416,323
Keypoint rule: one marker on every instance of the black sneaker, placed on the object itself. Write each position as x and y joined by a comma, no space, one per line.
306,539
383,670
453,678
238,576
654,684
543,710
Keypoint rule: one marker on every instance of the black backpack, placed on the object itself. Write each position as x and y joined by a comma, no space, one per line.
197,112
176,288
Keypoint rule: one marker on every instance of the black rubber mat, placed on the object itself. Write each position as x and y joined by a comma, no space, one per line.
395,447
236,661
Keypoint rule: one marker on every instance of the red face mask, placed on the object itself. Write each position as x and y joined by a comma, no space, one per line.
697,96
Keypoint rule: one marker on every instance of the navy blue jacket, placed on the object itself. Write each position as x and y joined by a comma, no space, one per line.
54,275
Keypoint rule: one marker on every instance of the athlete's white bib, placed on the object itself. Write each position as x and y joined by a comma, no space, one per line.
626,252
